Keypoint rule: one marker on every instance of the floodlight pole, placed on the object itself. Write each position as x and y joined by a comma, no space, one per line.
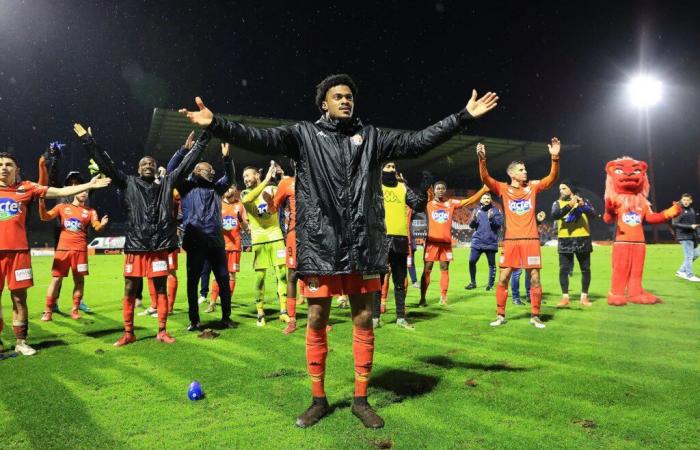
652,190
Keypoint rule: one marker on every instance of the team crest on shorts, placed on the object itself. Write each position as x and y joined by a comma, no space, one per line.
440,216
520,207
357,140
312,283
631,218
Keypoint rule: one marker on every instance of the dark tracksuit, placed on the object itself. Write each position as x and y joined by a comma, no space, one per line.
486,222
203,238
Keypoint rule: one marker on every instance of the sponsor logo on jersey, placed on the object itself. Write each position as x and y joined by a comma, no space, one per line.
262,209
229,223
72,224
440,216
391,197
631,218
520,207
9,208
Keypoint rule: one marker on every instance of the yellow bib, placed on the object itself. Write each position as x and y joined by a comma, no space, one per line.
395,210
579,228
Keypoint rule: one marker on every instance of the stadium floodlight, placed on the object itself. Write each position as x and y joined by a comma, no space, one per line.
644,91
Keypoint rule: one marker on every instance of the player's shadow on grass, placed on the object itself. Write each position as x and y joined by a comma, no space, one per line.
49,343
396,385
448,363
422,315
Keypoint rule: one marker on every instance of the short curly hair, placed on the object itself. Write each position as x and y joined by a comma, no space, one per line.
330,81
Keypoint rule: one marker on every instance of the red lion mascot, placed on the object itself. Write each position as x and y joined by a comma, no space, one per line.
626,204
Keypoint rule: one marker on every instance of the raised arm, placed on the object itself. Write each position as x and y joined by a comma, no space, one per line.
67,191
179,155
267,141
410,144
474,198
223,183
178,175
281,194
101,157
488,181
548,181
45,215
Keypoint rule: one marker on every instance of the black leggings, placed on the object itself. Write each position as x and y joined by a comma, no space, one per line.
397,263
566,266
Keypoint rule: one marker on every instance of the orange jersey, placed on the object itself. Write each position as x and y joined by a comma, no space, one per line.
440,220
440,215
75,221
13,213
519,203
232,214
285,191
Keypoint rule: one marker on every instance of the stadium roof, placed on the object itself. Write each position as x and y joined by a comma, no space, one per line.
169,130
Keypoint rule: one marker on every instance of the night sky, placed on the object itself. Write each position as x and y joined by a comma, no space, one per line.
559,69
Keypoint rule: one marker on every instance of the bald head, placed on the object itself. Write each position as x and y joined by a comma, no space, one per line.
147,168
204,170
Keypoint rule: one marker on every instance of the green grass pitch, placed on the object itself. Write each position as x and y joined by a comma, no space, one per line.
602,377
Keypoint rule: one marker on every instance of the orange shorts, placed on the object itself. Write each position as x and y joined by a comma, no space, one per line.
291,242
319,286
172,259
149,264
521,253
16,268
233,260
65,260
437,251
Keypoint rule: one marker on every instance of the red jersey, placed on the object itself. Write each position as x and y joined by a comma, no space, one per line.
75,221
232,214
519,203
285,191
13,213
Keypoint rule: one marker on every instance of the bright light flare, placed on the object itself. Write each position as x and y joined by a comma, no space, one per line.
644,91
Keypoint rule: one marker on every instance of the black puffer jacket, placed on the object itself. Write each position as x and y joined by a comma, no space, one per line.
683,224
340,211
149,206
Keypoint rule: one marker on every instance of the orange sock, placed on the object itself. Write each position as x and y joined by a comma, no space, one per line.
172,291
292,307
152,293
76,301
444,282
128,314
50,303
535,299
232,286
316,352
363,351
214,291
385,288
20,329
162,300
501,299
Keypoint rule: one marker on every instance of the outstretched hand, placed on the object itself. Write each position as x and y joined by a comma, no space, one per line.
98,183
201,118
481,150
81,131
225,148
104,220
479,107
554,147
271,172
